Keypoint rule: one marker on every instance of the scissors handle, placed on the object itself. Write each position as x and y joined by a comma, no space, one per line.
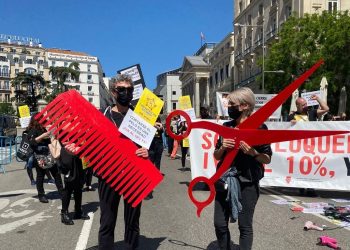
201,204
168,123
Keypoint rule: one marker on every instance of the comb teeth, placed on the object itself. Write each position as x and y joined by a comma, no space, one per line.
112,156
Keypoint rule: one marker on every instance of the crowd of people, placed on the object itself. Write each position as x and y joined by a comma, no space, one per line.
237,191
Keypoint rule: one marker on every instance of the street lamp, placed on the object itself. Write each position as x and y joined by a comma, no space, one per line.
263,49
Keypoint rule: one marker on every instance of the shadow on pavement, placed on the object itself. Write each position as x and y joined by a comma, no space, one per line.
184,169
10,195
90,207
199,187
183,244
214,246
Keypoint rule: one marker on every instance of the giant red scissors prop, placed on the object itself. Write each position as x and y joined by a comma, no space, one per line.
247,131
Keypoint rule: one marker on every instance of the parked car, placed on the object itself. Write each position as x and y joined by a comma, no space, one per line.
8,127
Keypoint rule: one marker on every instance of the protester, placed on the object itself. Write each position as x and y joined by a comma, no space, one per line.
74,177
204,112
303,113
122,91
39,141
89,173
245,172
156,149
184,148
175,128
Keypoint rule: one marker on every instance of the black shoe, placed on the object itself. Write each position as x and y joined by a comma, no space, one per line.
149,197
65,219
89,188
81,216
43,199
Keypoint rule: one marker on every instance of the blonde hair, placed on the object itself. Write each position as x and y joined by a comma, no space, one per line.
243,96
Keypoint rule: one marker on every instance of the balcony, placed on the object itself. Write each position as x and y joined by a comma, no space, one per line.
90,93
4,74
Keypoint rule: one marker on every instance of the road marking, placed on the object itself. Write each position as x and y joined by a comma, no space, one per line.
85,233
279,197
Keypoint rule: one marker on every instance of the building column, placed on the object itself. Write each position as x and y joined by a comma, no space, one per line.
207,93
196,96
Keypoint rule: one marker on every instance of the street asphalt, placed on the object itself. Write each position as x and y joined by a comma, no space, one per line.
168,221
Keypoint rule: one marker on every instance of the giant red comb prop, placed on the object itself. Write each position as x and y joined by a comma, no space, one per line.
73,119
247,131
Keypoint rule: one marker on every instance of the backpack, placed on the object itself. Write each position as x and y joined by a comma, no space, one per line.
24,152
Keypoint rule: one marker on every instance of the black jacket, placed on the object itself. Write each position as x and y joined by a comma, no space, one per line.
71,167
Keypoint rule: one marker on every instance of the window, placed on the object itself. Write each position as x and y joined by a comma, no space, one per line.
89,78
240,6
29,61
91,99
249,19
3,58
211,81
226,69
7,97
13,50
16,71
89,68
41,73
30,71
7,85
16,60
174,105
5,71
65,64
77,87
261,10
41,62
89,88
174,92
332,5
53,63
216,77
221,74
1,49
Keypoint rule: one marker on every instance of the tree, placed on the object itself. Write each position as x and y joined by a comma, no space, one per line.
61,75
28,89
6,108
302,42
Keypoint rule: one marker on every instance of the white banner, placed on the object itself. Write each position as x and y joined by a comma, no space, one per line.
262,99
222,103
320,163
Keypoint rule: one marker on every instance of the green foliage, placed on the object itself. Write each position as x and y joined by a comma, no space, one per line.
61,75
24,95
302,42
6,108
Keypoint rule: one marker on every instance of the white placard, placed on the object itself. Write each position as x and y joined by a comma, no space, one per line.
133,72
24,121
191,113
138,89
136,129
307,97
262,99
222,103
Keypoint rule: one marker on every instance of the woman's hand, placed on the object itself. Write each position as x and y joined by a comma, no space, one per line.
228,143
142,152
246,149
71,147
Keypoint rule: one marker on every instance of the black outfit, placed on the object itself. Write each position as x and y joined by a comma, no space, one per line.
39,148
156,149
250,171
181,129
74,178
109,202
89,173
311,114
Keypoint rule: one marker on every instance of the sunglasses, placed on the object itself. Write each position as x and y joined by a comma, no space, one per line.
120,89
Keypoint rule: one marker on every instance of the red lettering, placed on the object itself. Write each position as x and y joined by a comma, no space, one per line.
309,147
326,144
205,160
206,139
278,149
337,144
297,148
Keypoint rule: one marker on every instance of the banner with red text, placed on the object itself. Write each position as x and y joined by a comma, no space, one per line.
320,163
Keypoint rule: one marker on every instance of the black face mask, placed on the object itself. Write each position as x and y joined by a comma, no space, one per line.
124,98
234,113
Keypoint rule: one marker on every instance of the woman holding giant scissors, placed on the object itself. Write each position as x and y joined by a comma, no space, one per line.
241,181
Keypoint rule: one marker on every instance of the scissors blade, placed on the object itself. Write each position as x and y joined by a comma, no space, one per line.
259,136
260,116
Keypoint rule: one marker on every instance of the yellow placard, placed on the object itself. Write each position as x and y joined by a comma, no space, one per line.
185,102
149,106
24,111
186,143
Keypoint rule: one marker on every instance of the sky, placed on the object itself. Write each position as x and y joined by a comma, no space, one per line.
157,34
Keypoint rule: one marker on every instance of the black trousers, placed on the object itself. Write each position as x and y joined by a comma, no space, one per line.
183,155
109,202
40,179
156,151
89,172
170,145
70,187
250,194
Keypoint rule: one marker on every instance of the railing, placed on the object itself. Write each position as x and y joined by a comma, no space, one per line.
5,152
5,74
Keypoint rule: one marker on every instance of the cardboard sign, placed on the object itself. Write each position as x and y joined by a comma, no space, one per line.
262,99
24,111
149,106
136,129
186,143
307,97
24,121
185,102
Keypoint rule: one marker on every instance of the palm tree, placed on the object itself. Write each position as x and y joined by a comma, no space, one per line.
29,88
61,74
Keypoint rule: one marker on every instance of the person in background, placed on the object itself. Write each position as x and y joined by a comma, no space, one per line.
156,149
74,177
122,91
238,190
39,140
89,173
184,148
304,114
204,112
175,128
